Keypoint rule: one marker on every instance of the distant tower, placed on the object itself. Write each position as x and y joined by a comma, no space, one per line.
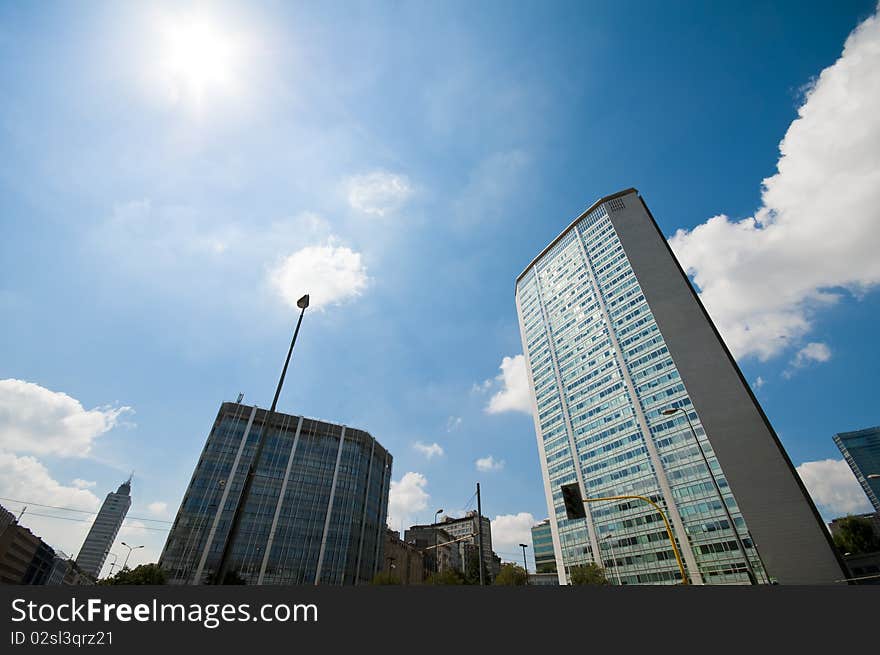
100,538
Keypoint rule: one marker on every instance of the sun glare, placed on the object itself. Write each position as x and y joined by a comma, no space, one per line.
198,60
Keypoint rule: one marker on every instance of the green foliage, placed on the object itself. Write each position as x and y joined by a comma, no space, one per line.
511,574
590,573
385,577
145,574
449,576
855,535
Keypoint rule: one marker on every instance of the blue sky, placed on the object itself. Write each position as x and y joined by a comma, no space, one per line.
174,174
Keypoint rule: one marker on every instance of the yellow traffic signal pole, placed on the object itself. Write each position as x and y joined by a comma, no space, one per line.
684,577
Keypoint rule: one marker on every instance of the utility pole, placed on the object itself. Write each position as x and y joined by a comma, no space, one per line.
479,535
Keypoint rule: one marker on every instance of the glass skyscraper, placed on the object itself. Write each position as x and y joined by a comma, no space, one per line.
861,450
542,546
613,334
104,530
315,513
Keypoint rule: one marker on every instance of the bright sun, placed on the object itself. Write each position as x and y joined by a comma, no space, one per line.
198,60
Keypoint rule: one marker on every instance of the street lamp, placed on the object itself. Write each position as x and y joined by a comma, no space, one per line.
113,563
669,411
436,546
607,538
232,535
130,548
525,565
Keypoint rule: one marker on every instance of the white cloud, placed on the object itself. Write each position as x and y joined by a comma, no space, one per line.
514,393
758,383
79,483
429,450
812,352
510,530
809,354
26,478
764,277
406,499
158,508
34,419
453,423
330,274
834,488
378,192
489,464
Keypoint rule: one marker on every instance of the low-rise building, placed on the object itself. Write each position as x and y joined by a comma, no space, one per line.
404,561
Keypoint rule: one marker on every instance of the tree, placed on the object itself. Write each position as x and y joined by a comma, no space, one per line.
145,574
511,574
590,573
385,577
447,576
855,535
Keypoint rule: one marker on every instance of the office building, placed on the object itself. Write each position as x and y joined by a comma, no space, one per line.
104,530
614,334
315,513
542,547
861,450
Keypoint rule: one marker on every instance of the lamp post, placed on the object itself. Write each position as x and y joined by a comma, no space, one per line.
436,546
113,563
607,538
669,411
220,575
130,548
525,564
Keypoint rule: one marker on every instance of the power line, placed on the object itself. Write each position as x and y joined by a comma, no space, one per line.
70,518
82,511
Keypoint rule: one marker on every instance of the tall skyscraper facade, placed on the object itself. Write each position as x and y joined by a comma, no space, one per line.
613,334
104,530
861,450
315,513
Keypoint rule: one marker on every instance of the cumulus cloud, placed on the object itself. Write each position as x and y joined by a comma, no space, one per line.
758,383
811,353
834,488
513,396
489,463
79,483
34,419
453,423
330,274
157,508
429,450
510,530
758,276
28,479
406,499
378,193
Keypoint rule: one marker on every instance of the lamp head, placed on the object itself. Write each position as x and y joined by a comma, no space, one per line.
303,302
670,411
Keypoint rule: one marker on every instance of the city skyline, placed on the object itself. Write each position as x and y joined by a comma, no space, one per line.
176,173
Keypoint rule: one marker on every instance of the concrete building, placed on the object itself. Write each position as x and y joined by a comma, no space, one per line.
440,550
28,560
464,532
542,547
104,530
614,335
861,450
404,561
315,513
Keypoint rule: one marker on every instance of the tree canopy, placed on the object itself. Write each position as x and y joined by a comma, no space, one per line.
511,574
855,535
145,574
590,573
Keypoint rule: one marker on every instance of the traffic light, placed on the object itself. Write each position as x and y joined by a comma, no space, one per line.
574,503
